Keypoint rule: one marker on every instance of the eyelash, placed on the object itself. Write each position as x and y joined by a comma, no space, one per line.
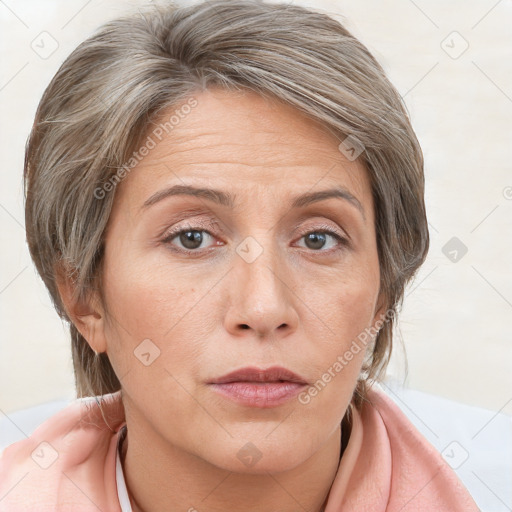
342,241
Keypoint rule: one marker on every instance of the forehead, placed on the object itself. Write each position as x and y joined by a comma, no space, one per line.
245,143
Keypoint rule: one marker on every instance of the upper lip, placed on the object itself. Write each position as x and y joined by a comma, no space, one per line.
253,374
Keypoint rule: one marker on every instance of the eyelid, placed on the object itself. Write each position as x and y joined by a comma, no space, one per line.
320,225
215,225
210,225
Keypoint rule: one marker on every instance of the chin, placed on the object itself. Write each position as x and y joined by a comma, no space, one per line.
260,455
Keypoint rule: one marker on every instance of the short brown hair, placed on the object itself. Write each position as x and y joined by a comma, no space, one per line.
114,85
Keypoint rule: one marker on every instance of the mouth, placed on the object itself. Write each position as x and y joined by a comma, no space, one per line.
255,387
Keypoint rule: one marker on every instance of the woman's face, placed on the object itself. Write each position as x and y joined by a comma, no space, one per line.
265,273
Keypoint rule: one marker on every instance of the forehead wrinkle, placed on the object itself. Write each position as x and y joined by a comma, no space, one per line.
228,153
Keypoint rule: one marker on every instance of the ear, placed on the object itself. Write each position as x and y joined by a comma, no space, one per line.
86,314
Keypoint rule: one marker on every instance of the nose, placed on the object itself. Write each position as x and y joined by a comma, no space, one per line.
262,301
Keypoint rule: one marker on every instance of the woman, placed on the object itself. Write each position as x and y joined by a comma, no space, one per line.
225,202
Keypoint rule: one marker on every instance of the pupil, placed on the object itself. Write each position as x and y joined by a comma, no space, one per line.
191,239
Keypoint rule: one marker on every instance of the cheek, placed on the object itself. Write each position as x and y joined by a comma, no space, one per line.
346,308
144,302
337,359
159,314
345,302
148,293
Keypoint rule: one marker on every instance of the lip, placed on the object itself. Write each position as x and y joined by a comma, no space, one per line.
256,387
253,374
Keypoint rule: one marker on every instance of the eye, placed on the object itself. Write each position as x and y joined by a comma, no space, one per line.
316,240
190,238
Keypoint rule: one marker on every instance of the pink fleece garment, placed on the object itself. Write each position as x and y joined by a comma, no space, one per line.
387,466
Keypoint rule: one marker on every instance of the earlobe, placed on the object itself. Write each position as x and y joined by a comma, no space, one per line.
86,314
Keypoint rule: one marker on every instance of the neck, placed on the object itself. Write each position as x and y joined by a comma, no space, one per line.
158,475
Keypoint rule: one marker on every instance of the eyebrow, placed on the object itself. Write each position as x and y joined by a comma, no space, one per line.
225,199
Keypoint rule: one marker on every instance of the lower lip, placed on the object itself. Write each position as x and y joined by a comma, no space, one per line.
259,394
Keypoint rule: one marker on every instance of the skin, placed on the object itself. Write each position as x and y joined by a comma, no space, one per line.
209,312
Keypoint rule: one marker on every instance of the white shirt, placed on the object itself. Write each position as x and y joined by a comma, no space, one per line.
122,492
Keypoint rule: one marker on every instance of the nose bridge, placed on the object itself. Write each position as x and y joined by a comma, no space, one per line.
259,264
261,297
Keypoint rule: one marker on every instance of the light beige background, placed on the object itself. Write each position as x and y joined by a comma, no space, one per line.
456,323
